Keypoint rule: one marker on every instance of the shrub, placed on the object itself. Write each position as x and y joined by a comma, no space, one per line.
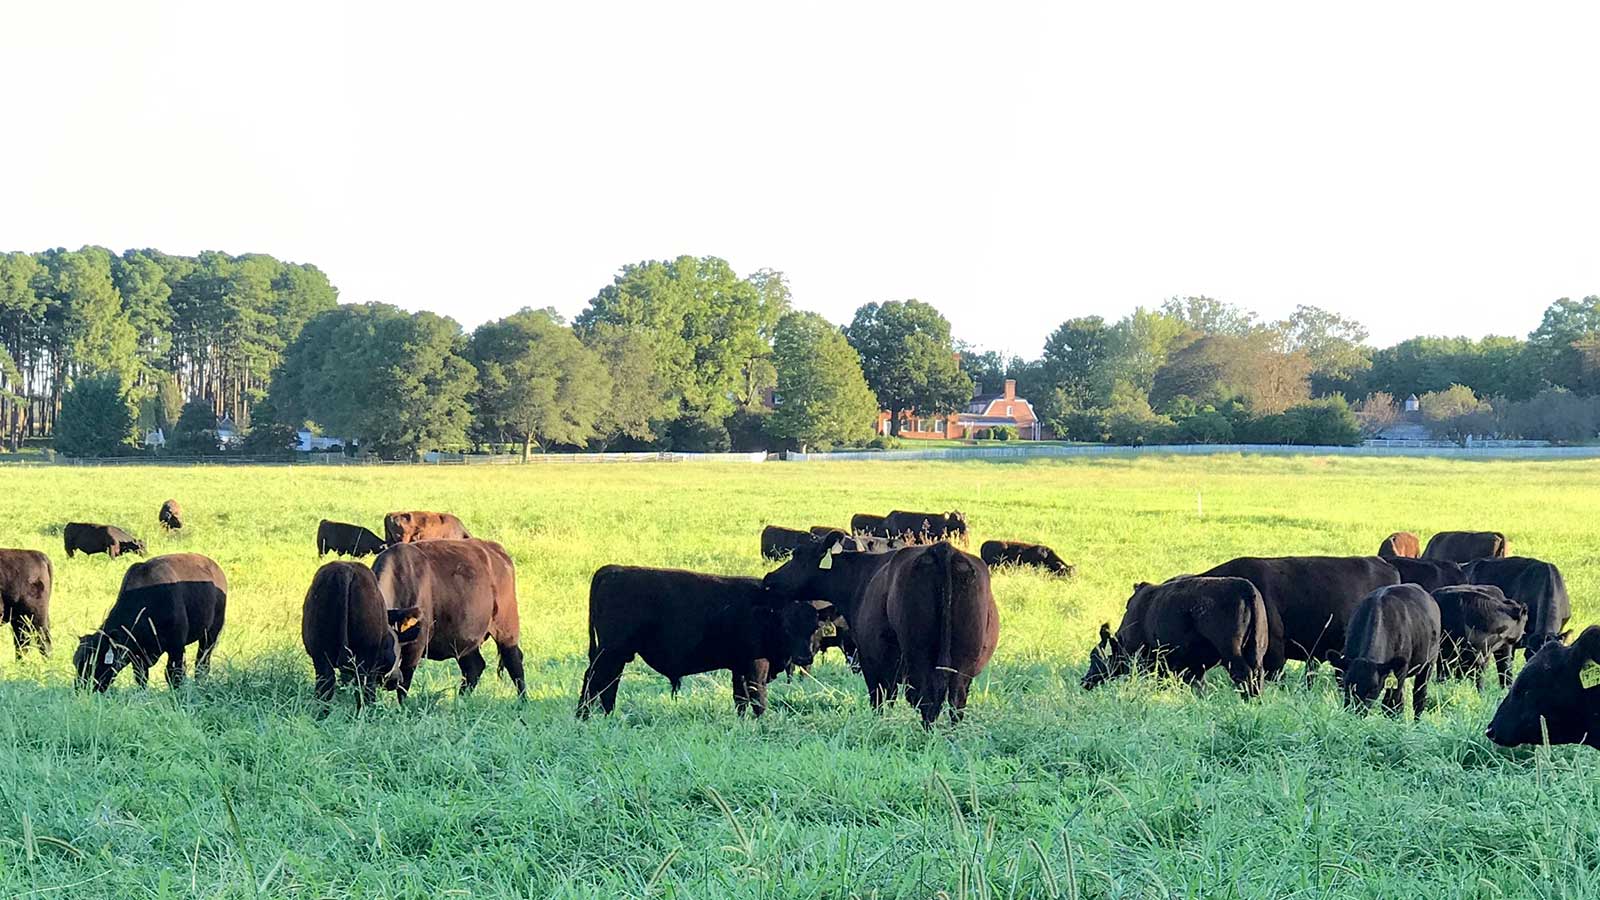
1205,427
97,418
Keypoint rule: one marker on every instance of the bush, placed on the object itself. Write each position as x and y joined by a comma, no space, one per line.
885,442
747,430
97,419
196,431
696,435
1134,424
1004,433
1325,422
1092,425
1205,427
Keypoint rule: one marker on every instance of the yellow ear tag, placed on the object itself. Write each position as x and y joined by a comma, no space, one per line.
408,623
827,561
111,657
1589,675
1392,682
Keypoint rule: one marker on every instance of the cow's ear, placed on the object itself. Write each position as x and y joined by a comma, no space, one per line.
1587,646
1335,659
407,623
1396,666
1140,585
1105,632
827,612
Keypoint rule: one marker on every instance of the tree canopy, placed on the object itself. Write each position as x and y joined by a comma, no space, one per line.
537,383
822,396
908,358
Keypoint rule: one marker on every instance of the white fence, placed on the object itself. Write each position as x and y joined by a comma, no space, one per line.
1048,451
429,459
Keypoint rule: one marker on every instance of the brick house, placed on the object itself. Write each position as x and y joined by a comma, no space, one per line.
984,412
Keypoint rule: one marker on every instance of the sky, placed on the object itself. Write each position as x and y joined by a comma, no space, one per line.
1426,168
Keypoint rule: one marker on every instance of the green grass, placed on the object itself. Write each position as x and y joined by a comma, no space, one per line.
234,788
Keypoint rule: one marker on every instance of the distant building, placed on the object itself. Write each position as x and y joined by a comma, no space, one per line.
309,443
986,411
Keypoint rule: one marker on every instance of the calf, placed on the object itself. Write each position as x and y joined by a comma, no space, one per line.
25,581
345,539
1016,553
170,516
684,623
1535,584
409,527
107,539
347,631
1466,546
465,592
868,524
1394,635
1402,545
1187,625
1429,574
778,542
923,616
1556,695
926,528
165,604
1310,600
1479,624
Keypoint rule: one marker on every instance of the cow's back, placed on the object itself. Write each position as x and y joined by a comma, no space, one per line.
465,590
1309,599
1534,583
1465,546
26,578
1401,544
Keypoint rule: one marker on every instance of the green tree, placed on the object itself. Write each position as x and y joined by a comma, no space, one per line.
641,397
537,382
822,396
98,418
1138,346
1335,345
1076,362
1454,412
1206,315
395,381
1557,344
195,434
908,358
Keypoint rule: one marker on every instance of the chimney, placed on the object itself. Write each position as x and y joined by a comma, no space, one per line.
1011,389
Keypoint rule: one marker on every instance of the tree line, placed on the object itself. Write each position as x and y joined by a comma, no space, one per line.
686,354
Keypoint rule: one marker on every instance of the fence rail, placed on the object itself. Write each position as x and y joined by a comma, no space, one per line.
1050,451
430,459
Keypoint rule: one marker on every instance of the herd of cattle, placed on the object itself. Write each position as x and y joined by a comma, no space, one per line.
908,607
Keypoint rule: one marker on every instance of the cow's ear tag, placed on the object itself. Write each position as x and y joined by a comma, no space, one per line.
1589,675
827,561
111,657
409,623
1392,682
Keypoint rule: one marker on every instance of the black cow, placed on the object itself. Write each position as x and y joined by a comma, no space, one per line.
684,623
345,539
1310,600
922,616
170,516
1187,625
868,524
926,528
107,539
348,632
1429,574
165,604
1393,636
778,542
1479,624
25,581
1535,584
1556,694
1017,553
1466,546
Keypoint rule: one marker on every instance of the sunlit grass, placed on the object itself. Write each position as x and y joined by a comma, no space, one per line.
234,787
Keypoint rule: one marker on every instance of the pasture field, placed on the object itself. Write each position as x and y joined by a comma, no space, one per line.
235,788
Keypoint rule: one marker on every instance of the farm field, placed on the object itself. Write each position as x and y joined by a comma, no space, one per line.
235,788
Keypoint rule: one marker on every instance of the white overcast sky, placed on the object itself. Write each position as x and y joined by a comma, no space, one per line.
1425,168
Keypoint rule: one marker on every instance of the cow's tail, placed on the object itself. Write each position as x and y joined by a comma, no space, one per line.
943,664
344,653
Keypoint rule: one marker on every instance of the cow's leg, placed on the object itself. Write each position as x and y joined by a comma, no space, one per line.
1419,690
19,635
741,695
511,662
750,687
403,688
175,664
958,697
1393,699
39,630
472,666
367,689
326,683
600,681
1502,664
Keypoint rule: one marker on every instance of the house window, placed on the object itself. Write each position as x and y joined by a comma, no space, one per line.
1008,409
939,426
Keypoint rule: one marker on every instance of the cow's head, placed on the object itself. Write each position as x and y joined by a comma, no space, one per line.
1533,643
134,546
789,630
955,522
1558,692
800,578
1363,680
1107,660
405,627
98,659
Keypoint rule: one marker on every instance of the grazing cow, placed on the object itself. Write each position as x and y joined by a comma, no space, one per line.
1187,625
922,616
410,527
1016,553
926,528
1430,574
868,524
778,542
25,581
165,604
1393,636
170,516
1466,546
1479,624
466,593
345,539
684,623
1309,599
347,631
1400,545
107,539
1535,584
1557,694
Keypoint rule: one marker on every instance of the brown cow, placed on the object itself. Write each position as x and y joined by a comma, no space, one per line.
1400,544
170,516
922,616
107,539
466,593
347,631
1466,546
417,525
25,581
165,604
